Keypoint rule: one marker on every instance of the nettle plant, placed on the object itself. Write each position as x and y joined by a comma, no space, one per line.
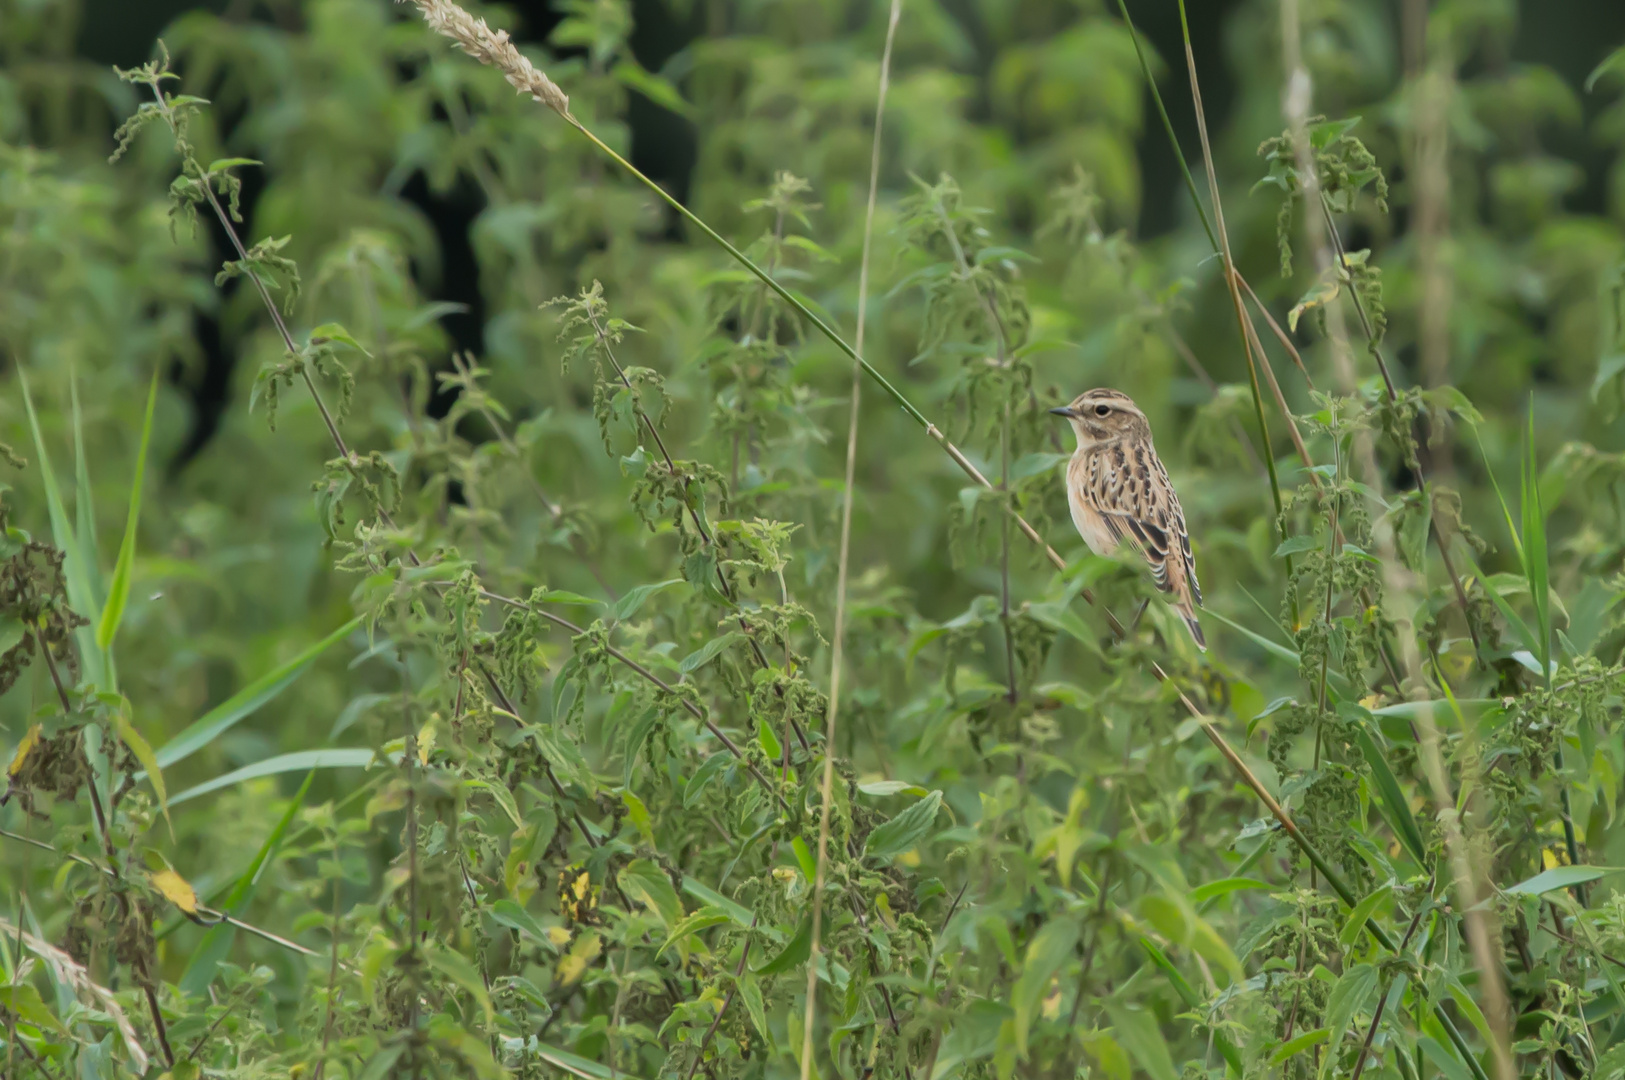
588,838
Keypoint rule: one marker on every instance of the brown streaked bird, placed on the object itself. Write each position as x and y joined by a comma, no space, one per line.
1120,493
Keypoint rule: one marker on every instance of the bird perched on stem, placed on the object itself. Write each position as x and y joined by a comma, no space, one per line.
1119,492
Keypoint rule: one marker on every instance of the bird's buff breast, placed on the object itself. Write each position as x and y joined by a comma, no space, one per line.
1088,521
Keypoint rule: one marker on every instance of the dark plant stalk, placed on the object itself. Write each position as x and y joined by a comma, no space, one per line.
107,847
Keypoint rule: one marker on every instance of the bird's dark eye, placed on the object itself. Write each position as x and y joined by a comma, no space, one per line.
1103,410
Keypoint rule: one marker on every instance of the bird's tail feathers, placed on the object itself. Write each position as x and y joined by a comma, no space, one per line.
1188,613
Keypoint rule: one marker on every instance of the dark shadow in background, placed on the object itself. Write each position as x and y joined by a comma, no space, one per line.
1571,36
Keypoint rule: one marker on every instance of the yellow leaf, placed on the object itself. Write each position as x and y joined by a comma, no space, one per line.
1051,1007
558,935
176,889
30,740
425,741
582,953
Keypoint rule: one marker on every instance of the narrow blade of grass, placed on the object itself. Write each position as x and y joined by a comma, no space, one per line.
1391,798
298,761
84,505
118,591
1535,565
80,594
216,944
214,723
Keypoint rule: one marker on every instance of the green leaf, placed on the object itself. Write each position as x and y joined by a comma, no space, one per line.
903,832
216,944
1049,950
883,788
751,991
24,1002
1535,566
702,892
502,797
1362,911
1297,1045
708,652
795,951
1396,810
282,763
143,753
657,88
703,919
81,596
1136,1029
1559,877
220,719
573,1064
1223,886
628,605
329,332
1192,999
511,915
804,857
460,970
1613,62
1296,545
1354,992
118,591
704,775
644,882
1059,616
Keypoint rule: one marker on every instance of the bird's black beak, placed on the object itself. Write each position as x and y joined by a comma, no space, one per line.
1062,410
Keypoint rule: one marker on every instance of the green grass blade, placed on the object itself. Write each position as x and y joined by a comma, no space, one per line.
80,596
1536,569
298,761
118,592
1391,798
84,505
1192,1000
216,944
212,724
1506,511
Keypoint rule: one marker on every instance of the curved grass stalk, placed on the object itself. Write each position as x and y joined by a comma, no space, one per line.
843,563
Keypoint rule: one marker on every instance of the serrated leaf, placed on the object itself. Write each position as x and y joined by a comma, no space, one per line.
903,832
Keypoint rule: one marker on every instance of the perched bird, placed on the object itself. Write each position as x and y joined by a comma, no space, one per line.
1119,491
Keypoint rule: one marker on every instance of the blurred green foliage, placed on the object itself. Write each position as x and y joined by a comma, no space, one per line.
482,675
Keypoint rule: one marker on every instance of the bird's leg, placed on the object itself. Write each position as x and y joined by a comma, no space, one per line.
1135,622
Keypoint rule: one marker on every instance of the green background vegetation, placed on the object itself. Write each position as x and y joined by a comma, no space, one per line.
462,836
